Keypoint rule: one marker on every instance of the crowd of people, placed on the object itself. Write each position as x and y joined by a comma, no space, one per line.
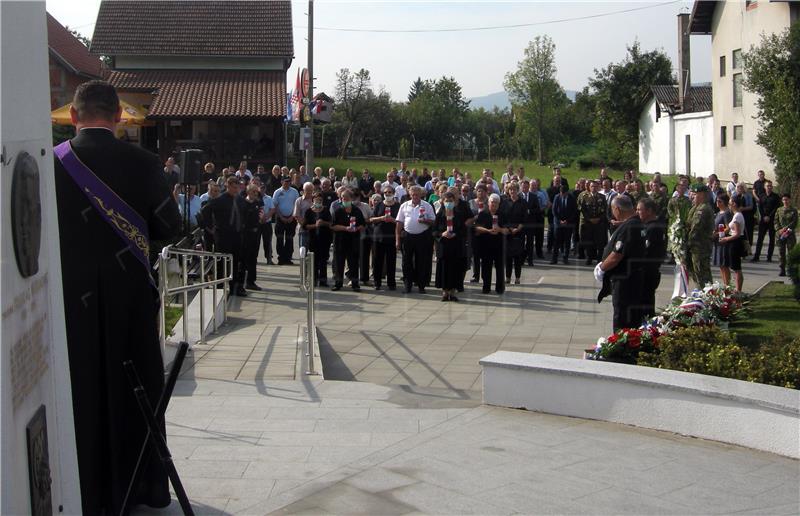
358,224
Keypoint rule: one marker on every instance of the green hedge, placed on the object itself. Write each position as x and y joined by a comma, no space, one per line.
793,268
712,351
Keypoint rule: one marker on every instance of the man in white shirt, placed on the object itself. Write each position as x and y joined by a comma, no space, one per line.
731,188
243,171
415,219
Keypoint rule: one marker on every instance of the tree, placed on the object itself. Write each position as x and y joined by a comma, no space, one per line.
772,71
353,91
88,43
417,87
436,117
620,92
535,94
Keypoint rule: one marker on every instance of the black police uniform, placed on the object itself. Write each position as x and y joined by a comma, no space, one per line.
626,278
655,243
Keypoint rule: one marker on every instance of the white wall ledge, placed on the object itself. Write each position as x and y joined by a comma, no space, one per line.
754,415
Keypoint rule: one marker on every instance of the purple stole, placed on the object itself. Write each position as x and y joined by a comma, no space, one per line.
124,220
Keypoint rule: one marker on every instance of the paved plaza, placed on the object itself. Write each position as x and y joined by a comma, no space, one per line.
251,434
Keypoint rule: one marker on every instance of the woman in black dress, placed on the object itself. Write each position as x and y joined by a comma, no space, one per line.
450,230
490,230
517,212
722,250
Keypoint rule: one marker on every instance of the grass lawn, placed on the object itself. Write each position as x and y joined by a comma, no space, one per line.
474,168
171,316
772,309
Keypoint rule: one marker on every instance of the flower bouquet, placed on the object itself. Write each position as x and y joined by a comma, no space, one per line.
624,345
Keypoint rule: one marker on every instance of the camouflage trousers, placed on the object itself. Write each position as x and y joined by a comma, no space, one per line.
698,265
785,246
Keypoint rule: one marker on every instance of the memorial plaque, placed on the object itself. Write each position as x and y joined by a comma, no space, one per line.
39,464
26,214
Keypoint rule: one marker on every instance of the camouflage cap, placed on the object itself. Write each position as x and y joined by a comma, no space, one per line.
699,187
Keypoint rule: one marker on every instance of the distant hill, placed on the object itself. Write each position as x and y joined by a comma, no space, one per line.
500,99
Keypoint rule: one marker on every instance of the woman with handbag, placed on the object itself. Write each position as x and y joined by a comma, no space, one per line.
737,239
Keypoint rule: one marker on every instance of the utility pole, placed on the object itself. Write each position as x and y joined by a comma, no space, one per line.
310,149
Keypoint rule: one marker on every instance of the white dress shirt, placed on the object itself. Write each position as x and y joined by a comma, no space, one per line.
409,216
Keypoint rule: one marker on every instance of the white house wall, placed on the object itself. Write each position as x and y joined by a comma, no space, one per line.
654,141
736,27
123,62
700,129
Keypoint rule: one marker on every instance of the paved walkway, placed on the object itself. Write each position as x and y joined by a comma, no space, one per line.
252,435
328,447
412,339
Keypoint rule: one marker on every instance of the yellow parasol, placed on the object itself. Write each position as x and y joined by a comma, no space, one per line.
131,115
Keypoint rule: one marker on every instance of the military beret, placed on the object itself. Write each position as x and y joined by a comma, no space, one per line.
699,187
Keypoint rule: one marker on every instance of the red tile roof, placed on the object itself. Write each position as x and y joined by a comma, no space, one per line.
208,93
67,49
194,28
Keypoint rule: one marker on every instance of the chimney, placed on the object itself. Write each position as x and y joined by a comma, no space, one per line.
684,60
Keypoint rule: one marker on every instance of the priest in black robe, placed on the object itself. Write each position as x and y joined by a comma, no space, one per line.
111,308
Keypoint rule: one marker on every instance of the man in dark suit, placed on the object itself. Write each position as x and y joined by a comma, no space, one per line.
565,215
110,307
533,218
226,214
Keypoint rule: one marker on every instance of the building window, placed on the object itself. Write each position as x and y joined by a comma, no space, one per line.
737,90
737,132
723,136
737,59
722,66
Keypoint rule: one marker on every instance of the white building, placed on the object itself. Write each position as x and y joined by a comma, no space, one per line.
675,140
735,26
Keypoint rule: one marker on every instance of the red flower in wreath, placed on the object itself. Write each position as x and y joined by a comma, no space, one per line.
613,339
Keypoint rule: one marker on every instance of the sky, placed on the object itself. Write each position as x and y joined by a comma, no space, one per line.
478,59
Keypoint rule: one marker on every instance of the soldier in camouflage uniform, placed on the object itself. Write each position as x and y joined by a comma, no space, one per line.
700,226
593,232
661,201
785,226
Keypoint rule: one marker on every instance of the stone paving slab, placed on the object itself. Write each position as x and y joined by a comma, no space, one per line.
412,339
373,449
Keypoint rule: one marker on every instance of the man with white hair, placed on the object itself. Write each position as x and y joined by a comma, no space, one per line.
414,220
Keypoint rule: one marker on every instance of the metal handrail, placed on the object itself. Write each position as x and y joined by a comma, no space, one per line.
307,286
184,256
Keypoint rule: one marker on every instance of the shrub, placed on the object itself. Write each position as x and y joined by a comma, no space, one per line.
777,361
699,349
709,350
793,268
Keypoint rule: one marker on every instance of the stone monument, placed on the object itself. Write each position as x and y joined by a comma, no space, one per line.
39,464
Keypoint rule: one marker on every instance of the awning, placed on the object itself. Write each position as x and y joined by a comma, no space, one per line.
198,94
131,115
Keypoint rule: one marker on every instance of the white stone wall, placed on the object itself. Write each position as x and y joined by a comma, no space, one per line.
34,368
700,129
662,143
734,27
655,140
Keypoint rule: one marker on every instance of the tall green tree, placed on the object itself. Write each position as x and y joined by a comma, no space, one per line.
620,92
417,87
436,117
353,99
536,97
772,71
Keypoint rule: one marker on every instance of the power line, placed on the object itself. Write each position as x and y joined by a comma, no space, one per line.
496,27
